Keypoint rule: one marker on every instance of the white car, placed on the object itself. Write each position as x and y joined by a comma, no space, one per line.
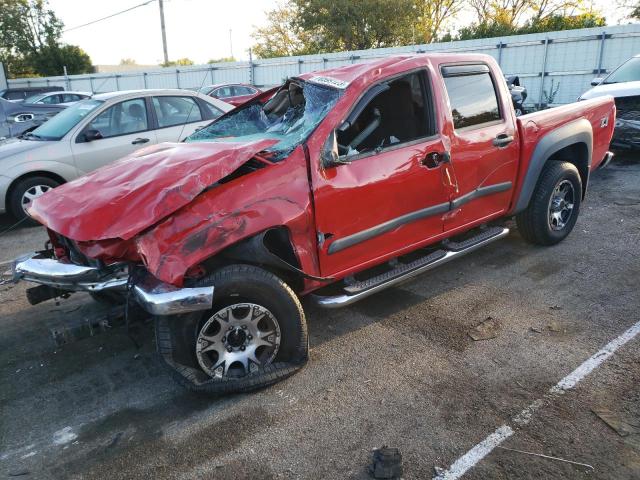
58,98
93,133
624,85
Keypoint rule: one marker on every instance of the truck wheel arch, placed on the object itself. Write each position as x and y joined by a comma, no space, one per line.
271,249
572,143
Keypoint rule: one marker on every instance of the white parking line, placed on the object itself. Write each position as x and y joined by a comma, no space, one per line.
467,461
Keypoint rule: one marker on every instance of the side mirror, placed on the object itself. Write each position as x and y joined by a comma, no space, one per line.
330,156
91,135
596,81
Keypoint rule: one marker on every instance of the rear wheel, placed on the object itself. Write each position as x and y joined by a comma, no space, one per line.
24,192
554,206
254,335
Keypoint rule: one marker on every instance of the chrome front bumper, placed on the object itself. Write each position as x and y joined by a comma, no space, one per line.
606,160
156,297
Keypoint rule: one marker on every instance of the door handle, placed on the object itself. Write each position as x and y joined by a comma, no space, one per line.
435,159
138,141
502,140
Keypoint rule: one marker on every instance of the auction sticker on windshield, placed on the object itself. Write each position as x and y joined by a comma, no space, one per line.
329,81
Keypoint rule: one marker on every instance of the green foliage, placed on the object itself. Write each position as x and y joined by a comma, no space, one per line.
554,23
551,23
550,95
222,60
30,41
181,62
128,61
348,25
283,35
299,27
51,59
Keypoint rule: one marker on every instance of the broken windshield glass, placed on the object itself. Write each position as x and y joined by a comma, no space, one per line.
289,117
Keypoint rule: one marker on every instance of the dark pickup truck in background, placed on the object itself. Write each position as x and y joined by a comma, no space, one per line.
336,185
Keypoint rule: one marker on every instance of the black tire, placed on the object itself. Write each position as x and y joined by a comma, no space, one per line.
18,191
534,222
176,335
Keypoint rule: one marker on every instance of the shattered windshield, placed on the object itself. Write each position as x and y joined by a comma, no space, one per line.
289,117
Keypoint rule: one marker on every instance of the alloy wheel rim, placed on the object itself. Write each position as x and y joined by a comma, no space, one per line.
32,193
237,340
561,205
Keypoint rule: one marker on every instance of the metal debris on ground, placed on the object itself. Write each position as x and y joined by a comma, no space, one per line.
485,330
386,463
548,457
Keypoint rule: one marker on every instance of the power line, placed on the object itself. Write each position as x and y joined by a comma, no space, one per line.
109,16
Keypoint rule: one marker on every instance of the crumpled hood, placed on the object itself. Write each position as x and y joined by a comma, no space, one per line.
124,198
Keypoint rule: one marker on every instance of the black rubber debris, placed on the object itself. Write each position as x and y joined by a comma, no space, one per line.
387,463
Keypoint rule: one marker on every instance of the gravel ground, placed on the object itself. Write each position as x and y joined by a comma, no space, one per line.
398,369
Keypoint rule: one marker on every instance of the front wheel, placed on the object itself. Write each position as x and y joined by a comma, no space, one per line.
24,192
254,335
554,206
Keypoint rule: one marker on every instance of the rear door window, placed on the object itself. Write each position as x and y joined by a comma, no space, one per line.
473,98
176,111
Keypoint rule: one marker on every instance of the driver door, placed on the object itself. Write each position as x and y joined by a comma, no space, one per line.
390,194
124,127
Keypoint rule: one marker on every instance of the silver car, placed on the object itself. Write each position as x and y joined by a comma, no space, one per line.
93,133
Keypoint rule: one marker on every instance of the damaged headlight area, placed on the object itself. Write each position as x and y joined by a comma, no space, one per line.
627,131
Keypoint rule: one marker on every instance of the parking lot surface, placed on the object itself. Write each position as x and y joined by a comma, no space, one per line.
397,369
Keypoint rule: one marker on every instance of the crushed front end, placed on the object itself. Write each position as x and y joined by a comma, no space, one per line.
64,269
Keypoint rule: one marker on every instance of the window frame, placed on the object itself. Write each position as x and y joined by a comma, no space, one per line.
204,105
490,72
203,118
426,86
150,123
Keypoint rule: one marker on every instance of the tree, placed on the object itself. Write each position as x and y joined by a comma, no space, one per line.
222,60
514,17
283,36
30,40
51,60
348,25
632,7
128,61
181,62
432,17
557,22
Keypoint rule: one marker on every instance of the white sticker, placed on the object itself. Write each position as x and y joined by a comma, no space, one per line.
330,82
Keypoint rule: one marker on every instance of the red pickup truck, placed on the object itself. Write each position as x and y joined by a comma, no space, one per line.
337,184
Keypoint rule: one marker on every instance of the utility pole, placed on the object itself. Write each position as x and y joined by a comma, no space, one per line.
164,33
230,44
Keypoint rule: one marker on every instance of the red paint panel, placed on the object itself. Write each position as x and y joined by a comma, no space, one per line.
124,198
274,196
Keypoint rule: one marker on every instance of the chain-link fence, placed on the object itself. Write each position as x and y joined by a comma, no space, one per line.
563,62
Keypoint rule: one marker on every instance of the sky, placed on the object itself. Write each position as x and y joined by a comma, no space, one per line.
197,29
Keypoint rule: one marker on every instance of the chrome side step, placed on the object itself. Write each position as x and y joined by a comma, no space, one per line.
359,290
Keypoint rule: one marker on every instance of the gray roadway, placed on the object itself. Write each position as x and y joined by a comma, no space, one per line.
398,369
